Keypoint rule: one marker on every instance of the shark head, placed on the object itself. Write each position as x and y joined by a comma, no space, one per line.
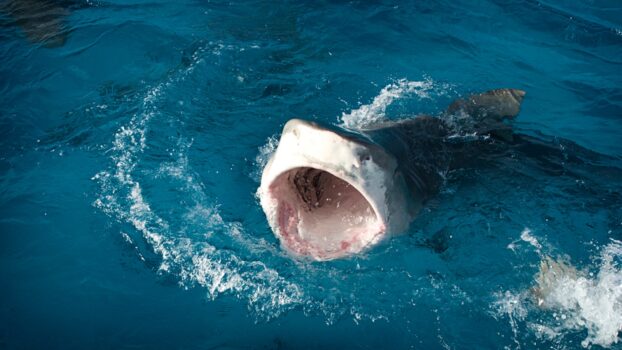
329,193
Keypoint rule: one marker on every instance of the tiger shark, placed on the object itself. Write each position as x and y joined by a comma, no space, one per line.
329,192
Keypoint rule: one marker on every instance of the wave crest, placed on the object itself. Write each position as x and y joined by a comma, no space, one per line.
374,112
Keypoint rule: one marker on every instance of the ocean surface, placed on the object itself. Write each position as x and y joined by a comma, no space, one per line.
133,135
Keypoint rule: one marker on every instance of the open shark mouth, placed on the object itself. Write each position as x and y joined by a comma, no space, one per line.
321,215
329,194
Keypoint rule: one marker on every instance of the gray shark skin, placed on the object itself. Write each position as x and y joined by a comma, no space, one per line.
330,192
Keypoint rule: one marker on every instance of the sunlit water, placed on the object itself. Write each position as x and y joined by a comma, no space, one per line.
132,139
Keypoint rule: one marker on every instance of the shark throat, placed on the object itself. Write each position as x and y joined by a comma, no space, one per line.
321,215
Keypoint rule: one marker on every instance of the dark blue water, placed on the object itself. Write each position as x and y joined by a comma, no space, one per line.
132,138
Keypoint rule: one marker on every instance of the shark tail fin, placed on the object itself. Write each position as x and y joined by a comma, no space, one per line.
487,113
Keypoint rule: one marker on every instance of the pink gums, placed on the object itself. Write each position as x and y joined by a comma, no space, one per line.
288,228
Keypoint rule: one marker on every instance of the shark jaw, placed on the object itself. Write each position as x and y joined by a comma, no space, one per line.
327,195
321,215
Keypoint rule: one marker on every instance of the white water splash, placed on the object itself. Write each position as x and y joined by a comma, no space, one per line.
582,300
526,236
570,299
194,263
262,158
513,306
367,115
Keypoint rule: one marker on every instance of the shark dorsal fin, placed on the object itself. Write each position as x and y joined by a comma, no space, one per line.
487,113
497,105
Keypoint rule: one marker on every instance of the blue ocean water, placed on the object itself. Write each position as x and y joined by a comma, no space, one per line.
133,135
